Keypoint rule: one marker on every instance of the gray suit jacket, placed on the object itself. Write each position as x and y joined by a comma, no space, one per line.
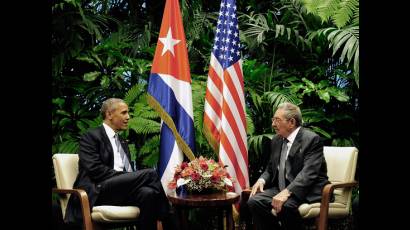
306,168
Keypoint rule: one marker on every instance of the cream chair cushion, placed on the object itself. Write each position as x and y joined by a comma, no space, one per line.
66,170
108,213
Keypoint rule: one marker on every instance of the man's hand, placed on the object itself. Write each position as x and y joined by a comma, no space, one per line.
280,199
257,186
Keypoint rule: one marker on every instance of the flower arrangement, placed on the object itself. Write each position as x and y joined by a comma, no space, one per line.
200,175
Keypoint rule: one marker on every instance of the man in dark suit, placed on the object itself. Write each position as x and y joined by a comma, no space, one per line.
296,173
107,176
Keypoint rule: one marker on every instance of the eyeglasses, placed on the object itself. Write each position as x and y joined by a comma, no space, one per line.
277,120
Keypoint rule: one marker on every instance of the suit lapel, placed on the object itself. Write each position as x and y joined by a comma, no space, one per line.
107,145
124,146
297,144
276,146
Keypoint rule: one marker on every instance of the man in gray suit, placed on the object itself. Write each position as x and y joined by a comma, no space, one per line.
296,173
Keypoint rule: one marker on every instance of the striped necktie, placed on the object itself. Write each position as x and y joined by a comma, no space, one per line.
281,179
127,165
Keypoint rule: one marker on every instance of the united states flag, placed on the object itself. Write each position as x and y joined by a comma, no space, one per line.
224,117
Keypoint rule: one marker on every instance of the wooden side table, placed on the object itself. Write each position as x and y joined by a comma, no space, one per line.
222,201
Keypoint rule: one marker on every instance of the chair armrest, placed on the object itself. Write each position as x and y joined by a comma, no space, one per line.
246,192
324,204
85,205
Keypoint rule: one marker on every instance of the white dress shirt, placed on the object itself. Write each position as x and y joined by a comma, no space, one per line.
118,163
291,139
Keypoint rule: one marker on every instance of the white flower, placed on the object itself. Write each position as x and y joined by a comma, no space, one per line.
228,181
182,181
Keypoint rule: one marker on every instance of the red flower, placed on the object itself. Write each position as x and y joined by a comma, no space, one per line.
184,165
204,166
187,172
195,176
172,184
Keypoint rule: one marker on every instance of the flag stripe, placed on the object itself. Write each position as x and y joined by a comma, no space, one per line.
231,129
169,102
242,161
237,80
212,100
223,157
212,128
181,90
216,79
216,65
238,71
232,156
232,96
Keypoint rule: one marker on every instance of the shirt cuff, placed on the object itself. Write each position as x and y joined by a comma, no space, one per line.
262,181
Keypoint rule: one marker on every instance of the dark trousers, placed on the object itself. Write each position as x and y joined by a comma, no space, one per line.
260,205
141,188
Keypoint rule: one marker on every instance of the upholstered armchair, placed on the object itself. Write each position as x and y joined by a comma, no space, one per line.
341,166
66,170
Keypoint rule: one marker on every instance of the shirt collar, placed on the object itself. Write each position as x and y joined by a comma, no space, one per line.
292,136
110,132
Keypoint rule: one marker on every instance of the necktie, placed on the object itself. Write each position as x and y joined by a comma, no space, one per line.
127,165
282,162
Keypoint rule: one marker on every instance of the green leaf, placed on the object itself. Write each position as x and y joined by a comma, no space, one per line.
63,122
320,131
324,95
340,95
62,112
58,101
105,81
69,146
91,76
88,60
151,160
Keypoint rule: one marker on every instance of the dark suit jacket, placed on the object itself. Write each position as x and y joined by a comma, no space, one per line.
96,164
306,168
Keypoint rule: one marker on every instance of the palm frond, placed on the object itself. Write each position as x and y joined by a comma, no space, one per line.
312,6
355,20
132,94
275,98
150,151
255,143
319,130
327,9
143,110
69,146
250,127
149,145
144,126
348,38
258,26
345,12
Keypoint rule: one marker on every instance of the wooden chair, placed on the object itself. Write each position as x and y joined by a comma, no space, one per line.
105,216
341,168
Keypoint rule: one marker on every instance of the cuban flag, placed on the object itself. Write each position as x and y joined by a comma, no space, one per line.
170,94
